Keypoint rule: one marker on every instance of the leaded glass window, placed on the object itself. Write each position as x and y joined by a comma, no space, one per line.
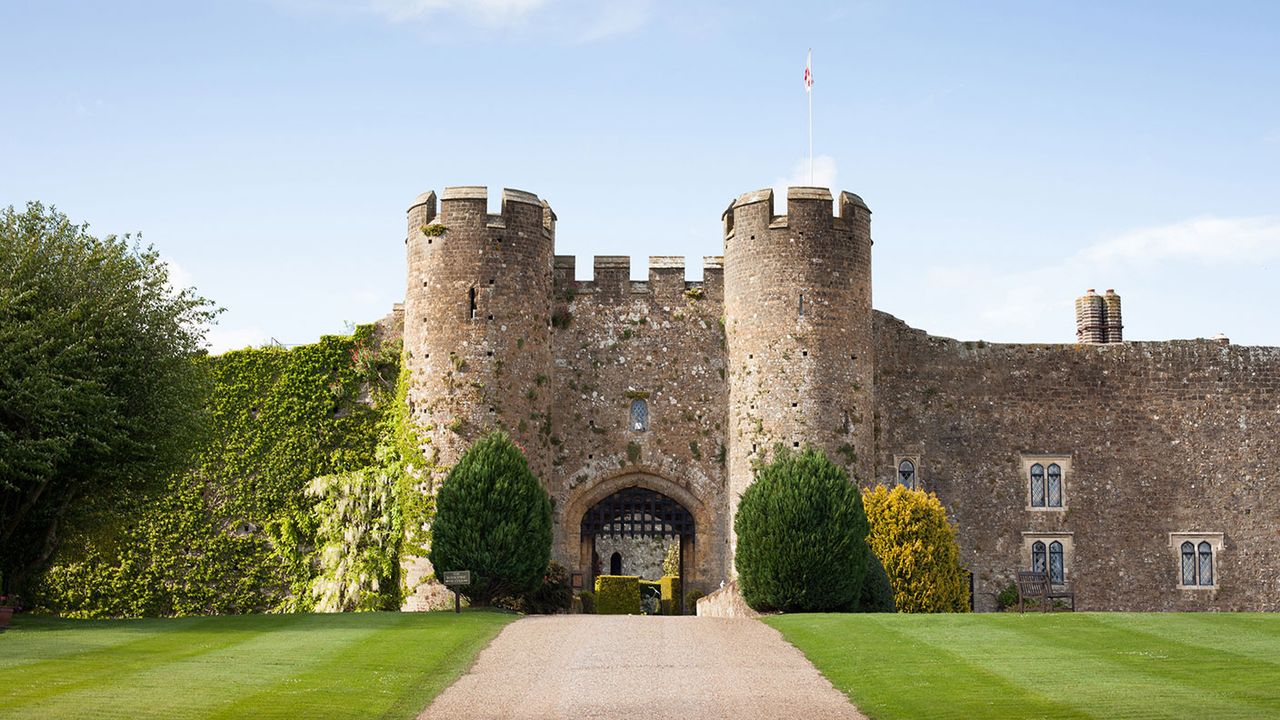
1188,564
907,474
1037,485
1037,557
1206,564
639,415
1055,486
1056,574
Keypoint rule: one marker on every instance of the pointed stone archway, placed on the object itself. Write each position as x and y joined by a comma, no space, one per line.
634,505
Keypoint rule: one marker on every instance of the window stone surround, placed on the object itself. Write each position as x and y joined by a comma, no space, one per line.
1215,540
1063,462
1067,539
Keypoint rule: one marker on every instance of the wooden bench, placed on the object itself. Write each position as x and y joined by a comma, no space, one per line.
1034,585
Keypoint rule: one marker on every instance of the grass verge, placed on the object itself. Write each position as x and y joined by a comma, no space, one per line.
377,665
1063,665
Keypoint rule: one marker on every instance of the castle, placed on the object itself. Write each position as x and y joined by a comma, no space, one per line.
1139,473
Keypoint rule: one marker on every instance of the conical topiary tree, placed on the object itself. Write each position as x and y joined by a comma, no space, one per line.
493,518
917,545
801,536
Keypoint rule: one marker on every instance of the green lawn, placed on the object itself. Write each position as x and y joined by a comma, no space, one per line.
261,666
1062,665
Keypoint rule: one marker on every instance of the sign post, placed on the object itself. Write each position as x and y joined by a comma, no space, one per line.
455,579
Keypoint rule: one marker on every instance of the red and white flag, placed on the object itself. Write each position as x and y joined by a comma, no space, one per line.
808,73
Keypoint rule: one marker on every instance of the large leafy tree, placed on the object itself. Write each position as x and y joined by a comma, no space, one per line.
99,394
801,536
493,518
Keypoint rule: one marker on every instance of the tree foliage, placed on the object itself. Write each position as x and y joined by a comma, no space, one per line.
917,546
493,517
236,531
877,591
98,394
801,536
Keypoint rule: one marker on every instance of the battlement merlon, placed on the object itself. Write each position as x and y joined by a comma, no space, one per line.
469,204
805,206
612,275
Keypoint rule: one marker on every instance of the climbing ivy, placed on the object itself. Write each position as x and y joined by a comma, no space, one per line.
306,490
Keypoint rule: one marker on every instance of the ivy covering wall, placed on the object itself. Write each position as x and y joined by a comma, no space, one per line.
298,498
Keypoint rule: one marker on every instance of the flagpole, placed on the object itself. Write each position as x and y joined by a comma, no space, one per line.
809,88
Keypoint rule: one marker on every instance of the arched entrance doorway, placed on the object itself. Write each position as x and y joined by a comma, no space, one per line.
637,512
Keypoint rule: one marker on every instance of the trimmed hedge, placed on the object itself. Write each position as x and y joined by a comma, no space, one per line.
670,585
617,595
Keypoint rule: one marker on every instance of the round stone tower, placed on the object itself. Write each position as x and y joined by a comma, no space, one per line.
797,298
477,316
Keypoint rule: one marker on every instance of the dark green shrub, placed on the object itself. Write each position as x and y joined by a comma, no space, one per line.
877,592
493,518
801,536
553,596
1008,597
618,595
691,601
588,599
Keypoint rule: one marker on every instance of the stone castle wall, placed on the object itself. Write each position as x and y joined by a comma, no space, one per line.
778,343
1157,438
660,342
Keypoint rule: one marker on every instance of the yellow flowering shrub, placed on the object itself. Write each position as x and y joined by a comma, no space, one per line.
917,546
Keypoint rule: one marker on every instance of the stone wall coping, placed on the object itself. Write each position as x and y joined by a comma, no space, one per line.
808,193
520,196
666,262
465,192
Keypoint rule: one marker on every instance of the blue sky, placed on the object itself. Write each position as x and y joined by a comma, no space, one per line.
1013,153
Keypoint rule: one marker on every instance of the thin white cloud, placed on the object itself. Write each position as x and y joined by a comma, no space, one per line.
179,278
224,339
488,12
582,21
1203,239
824,175
617,18
1003,302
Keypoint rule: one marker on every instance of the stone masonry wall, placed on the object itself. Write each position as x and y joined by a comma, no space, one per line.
661,341
1157,438
798,328
477,317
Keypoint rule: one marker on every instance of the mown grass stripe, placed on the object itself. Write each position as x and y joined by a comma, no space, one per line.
1079,657
1062,665
889,670
154,643
318,666
428,663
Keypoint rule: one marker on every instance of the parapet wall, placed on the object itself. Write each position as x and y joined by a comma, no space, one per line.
1156,438
611,277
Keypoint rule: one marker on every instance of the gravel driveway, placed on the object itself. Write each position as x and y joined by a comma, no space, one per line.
614,666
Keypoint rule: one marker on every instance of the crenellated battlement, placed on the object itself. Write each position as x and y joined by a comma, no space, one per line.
806,207
611,277
468,206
